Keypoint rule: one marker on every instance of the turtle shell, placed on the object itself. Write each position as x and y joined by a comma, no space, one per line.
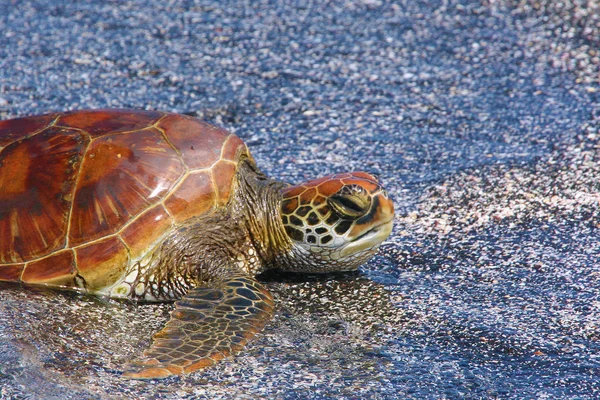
85,193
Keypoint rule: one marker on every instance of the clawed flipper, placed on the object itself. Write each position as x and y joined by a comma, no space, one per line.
209,324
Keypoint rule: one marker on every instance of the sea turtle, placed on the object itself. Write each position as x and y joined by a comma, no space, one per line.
154,206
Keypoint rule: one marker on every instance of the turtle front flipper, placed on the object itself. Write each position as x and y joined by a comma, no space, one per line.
209,324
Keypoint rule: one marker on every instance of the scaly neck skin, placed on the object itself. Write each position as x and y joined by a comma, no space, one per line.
258,207
247,236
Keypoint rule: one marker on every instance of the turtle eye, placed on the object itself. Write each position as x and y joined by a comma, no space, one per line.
350,202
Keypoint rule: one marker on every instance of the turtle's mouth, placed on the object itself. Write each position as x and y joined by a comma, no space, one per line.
371,238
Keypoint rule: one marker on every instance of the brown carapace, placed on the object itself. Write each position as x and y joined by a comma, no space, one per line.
155,206
83,193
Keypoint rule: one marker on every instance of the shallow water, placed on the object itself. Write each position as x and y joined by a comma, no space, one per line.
482,120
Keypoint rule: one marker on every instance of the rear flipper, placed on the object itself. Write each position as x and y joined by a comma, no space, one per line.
207,325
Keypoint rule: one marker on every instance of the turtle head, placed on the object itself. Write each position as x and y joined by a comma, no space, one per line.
337,222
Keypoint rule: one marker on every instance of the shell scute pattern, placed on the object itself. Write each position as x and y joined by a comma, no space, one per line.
182,133
13,129
102,263
11,272
195,196
121,176
98,123
136,235
36,193
58,268
124,179
223,173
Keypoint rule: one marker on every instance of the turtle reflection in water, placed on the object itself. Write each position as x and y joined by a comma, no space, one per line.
152,206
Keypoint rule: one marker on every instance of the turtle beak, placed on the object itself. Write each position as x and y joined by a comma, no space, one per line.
381,219
370,239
